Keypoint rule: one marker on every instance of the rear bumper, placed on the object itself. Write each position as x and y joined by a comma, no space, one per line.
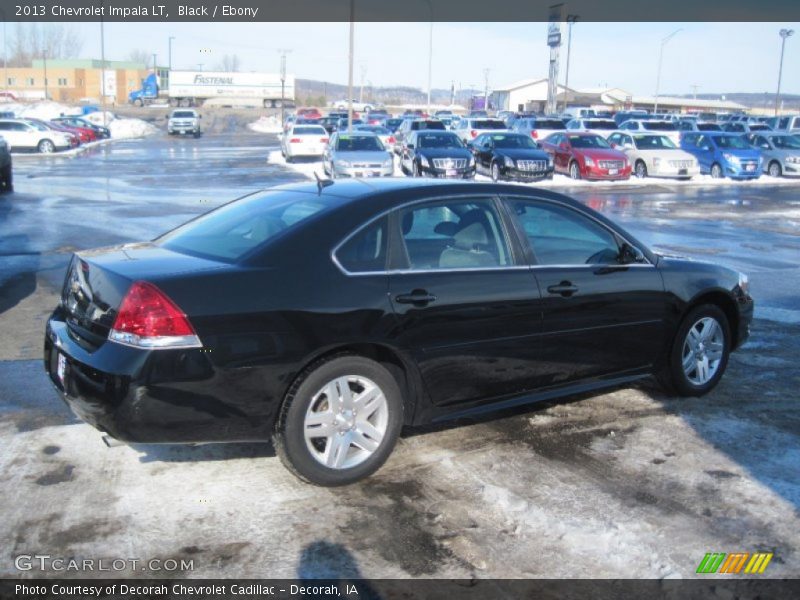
145,396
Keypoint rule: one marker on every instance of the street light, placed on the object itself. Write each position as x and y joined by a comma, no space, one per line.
169,59
430,55
571,20
784,33
660,57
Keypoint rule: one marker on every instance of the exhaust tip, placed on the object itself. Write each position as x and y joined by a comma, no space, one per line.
111,442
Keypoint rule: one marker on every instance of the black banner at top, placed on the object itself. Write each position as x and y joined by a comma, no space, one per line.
394,10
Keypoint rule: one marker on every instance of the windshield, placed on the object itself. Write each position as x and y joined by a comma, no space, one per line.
417,125
361,143
759,127
183,114
731,141
659,126
708,127
488,124
239,227
432,140
599,124
547,124
654,142
587,141
786,142
376,129
513,141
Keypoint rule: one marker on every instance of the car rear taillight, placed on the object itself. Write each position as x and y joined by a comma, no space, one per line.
147,318
535,134
295,141
324,140
391,140
473,133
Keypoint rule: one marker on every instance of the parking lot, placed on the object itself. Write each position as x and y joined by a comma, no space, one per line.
629,483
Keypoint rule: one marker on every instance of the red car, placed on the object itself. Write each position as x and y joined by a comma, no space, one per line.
584,155
80,134
74,138
309,113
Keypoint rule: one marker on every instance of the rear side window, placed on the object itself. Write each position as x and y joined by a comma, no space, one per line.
232,231
365,251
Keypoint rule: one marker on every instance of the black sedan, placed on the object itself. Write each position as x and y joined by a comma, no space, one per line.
326,316
511,156
436,154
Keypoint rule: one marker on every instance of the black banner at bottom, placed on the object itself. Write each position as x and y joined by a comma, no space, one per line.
391,589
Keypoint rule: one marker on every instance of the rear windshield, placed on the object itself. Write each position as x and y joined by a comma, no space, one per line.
427,125
708,127
183,114
376,129
361,143
659,126
760,127
309,131
233,230
598,124
548,124
488,124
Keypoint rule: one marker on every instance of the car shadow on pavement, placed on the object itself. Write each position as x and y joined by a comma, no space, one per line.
202,452
323,562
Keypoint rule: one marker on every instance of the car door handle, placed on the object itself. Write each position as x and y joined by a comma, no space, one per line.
417,297
565,288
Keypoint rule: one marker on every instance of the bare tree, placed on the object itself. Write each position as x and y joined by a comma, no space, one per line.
139,56
53,41
230,63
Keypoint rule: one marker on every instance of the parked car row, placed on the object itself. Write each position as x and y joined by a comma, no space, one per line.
42,136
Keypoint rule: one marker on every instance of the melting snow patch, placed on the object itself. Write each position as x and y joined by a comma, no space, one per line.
131,128
266,125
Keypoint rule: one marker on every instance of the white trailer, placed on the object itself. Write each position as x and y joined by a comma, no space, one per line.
194,88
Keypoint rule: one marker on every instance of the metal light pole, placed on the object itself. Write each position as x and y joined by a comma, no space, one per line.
430,56
660,58
103,67
169,59
363,75
784,33
571,20
350,68
44,59
5,54
486,90
283,84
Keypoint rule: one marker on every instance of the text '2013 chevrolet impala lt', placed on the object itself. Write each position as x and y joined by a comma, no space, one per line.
325,317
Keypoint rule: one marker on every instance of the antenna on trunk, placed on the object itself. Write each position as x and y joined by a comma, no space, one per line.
322,183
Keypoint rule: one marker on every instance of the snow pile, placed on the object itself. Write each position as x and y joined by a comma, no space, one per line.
97,117
45,110
131,128
266,125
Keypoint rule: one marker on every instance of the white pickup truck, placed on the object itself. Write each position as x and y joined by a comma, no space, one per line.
357,106
183,121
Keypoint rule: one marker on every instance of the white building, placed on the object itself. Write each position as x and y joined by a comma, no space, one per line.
529,95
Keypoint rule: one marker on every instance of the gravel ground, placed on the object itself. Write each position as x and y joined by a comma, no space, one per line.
630,483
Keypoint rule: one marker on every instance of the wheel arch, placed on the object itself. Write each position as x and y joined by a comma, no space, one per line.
402,369
724,302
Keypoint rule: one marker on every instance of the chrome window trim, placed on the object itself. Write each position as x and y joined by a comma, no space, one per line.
501,197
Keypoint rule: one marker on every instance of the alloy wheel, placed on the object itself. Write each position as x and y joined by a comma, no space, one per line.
574,171
641,170
702,351
774,169
346,422
46,147
495,172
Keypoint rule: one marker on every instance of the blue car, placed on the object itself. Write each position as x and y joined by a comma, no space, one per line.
723,154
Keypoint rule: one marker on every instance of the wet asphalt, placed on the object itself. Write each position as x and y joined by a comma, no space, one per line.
457,502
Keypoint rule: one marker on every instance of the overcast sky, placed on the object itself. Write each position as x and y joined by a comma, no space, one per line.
716,57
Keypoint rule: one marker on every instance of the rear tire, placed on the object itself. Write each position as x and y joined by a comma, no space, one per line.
774,169
7,180
641,169
699,353
325,401
574,170
495,172
716,171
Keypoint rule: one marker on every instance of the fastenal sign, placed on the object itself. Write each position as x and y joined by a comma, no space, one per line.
735,563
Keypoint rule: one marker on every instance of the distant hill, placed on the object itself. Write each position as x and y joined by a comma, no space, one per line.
749,99
312,92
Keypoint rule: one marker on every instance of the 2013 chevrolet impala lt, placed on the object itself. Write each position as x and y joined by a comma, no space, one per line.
326,316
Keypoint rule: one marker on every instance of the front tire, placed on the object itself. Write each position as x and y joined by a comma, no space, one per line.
574,170
46,147
774,169
699,353
339,421
495,172
641,169
716,171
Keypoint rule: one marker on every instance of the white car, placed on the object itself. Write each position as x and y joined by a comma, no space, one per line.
304,140
668,128
471,127
24,135
654,155
601,127
357,106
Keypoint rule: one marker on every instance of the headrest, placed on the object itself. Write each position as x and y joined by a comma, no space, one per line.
446,228
471,237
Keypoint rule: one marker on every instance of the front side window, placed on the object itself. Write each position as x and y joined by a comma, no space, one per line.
453,234
365,252
562,236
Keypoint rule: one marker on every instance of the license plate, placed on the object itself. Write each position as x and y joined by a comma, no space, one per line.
750,168
613,171
450,173
182,132
682,171
61,367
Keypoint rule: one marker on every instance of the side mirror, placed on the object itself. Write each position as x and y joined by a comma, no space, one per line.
629,254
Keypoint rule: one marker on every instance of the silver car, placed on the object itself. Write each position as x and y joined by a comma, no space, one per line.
654,155
780,150
360,154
